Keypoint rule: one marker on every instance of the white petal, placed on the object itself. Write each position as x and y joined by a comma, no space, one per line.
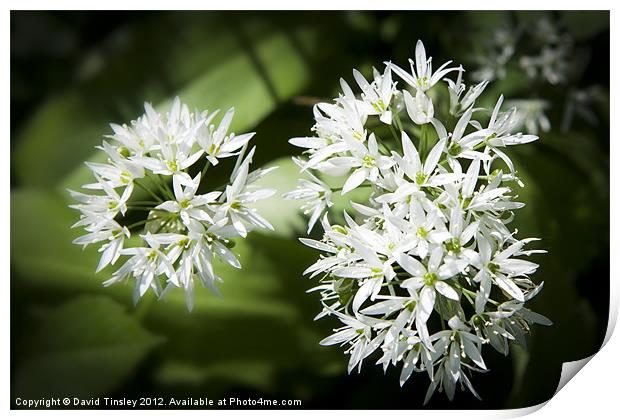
446,290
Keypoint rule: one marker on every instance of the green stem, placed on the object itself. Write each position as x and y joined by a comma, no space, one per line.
394,134
132,207
204,170
423,146
148,190
478,147
399,124
163,187
473,294
146,203
141,222
359,186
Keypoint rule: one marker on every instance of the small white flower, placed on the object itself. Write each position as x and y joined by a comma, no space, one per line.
217,143
367,162
456,88
422,77
239,196
188,204
420,108
316,193
114,235
376,96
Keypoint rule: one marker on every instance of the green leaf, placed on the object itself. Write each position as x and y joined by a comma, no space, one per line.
255,374
84,348
41,249
262,322
586,24
285,215
563,207
255,73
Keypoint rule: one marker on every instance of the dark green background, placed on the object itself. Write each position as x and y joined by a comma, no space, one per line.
73,73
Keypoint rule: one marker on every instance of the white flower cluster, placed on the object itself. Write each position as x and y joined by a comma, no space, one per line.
542,51
552,62
426,270
182,229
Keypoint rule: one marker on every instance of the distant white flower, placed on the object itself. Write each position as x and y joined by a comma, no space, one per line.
541,50
581,103
530,114
183,231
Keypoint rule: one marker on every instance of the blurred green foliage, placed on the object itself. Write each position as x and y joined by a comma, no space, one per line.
71,336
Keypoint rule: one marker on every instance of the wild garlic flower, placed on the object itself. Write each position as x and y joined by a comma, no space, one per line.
497,51
531,114
425,270
541,51
154,188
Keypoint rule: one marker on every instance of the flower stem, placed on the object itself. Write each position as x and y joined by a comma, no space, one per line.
423,147
394,134
148,190
163,187
399,124
204,170
359,186
140,223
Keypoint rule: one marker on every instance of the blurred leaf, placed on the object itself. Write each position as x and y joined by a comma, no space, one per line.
284,215
263,307
562,208
242,372
43,255
258,70
263,322
41,248
83,348
586,24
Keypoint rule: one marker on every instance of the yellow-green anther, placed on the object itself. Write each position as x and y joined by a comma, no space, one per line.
125,177
420,177
430,278
172,165
493,267
339,229
453,245
379,106
124,152
368,161
454,149
490,137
